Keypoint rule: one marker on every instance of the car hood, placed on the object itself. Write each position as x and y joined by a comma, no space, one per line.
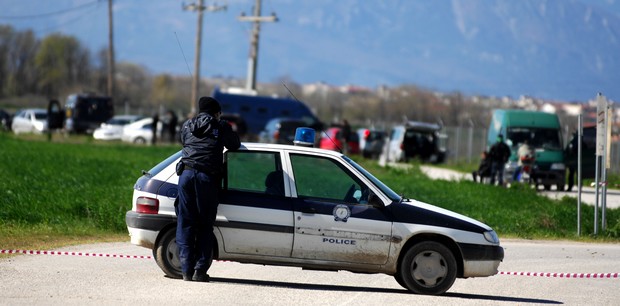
412,211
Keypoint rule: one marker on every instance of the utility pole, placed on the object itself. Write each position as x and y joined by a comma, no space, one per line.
196,78
252,60
110,51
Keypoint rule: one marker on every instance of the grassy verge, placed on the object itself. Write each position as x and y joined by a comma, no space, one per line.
515,212
72,191
69,190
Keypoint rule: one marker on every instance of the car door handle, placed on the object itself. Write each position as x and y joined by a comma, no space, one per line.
308,210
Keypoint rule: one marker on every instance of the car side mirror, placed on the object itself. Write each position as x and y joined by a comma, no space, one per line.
375,201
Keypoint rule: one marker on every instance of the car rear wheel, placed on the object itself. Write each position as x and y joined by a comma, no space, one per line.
139,140
428,267
167,254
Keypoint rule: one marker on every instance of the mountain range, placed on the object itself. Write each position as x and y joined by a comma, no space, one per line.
564,50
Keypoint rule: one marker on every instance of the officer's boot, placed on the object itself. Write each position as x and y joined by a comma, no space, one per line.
200,276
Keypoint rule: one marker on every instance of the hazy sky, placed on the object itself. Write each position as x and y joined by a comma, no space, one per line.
338,42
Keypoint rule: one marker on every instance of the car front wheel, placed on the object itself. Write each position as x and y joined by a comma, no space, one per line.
428,267
167,254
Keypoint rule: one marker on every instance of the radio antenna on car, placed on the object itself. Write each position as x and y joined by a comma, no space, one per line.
180,47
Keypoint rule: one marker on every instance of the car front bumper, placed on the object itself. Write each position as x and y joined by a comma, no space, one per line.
481,260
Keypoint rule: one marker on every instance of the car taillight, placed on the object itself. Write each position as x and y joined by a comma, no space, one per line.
366,134
402,146
276,135
147,205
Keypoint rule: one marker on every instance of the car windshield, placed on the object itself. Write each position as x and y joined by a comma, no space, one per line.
165,163
389,192
539,138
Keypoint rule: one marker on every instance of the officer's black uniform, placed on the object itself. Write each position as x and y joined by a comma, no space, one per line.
204,138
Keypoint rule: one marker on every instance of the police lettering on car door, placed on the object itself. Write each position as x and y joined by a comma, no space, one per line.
331,211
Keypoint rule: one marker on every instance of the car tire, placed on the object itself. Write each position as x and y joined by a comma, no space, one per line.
166,254
139,140
399,279
429,268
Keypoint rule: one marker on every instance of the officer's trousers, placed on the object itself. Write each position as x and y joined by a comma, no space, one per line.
196,214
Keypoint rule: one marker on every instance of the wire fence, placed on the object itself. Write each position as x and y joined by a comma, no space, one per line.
466,144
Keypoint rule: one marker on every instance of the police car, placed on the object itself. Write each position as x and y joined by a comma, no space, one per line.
305,207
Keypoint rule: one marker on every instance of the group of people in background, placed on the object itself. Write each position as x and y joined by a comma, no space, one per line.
493,162
165,128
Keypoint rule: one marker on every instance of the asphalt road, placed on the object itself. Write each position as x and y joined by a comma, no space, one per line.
588,194
80,280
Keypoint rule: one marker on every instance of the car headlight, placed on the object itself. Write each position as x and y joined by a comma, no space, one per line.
558,166
491,236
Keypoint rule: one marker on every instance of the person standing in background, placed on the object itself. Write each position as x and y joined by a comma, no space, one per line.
499,152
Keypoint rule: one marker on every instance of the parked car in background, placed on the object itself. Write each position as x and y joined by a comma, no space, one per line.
139,132
419,140
331,139
371,142
281,130
85,112
31,120
113,128
5,120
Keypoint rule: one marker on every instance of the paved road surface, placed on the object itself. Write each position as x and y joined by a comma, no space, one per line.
79,280
588,194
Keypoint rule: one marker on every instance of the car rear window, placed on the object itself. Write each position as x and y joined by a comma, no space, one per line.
161,166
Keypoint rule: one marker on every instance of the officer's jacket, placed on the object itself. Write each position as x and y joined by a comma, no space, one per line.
204,139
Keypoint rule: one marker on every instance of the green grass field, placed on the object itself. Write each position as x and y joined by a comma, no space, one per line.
69,191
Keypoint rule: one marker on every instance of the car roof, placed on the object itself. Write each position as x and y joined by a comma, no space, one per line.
141,121
127,116
35,110
312,150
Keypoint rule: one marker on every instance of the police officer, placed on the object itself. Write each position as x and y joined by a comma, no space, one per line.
204,138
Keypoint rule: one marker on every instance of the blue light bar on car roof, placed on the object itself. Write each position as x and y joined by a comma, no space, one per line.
304,136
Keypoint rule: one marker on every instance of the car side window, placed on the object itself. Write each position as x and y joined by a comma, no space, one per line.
258,172
325,179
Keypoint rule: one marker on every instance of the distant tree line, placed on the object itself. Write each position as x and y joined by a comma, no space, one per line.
32,71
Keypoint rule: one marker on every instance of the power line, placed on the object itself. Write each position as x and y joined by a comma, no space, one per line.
95,2
70,21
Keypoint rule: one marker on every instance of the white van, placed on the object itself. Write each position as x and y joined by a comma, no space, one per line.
415,139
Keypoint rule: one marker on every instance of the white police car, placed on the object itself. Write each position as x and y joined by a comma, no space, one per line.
317,209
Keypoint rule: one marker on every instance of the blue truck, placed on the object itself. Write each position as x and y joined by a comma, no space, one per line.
251,112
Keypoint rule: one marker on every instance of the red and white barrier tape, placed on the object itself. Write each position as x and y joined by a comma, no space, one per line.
564,275
73,254
539,274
